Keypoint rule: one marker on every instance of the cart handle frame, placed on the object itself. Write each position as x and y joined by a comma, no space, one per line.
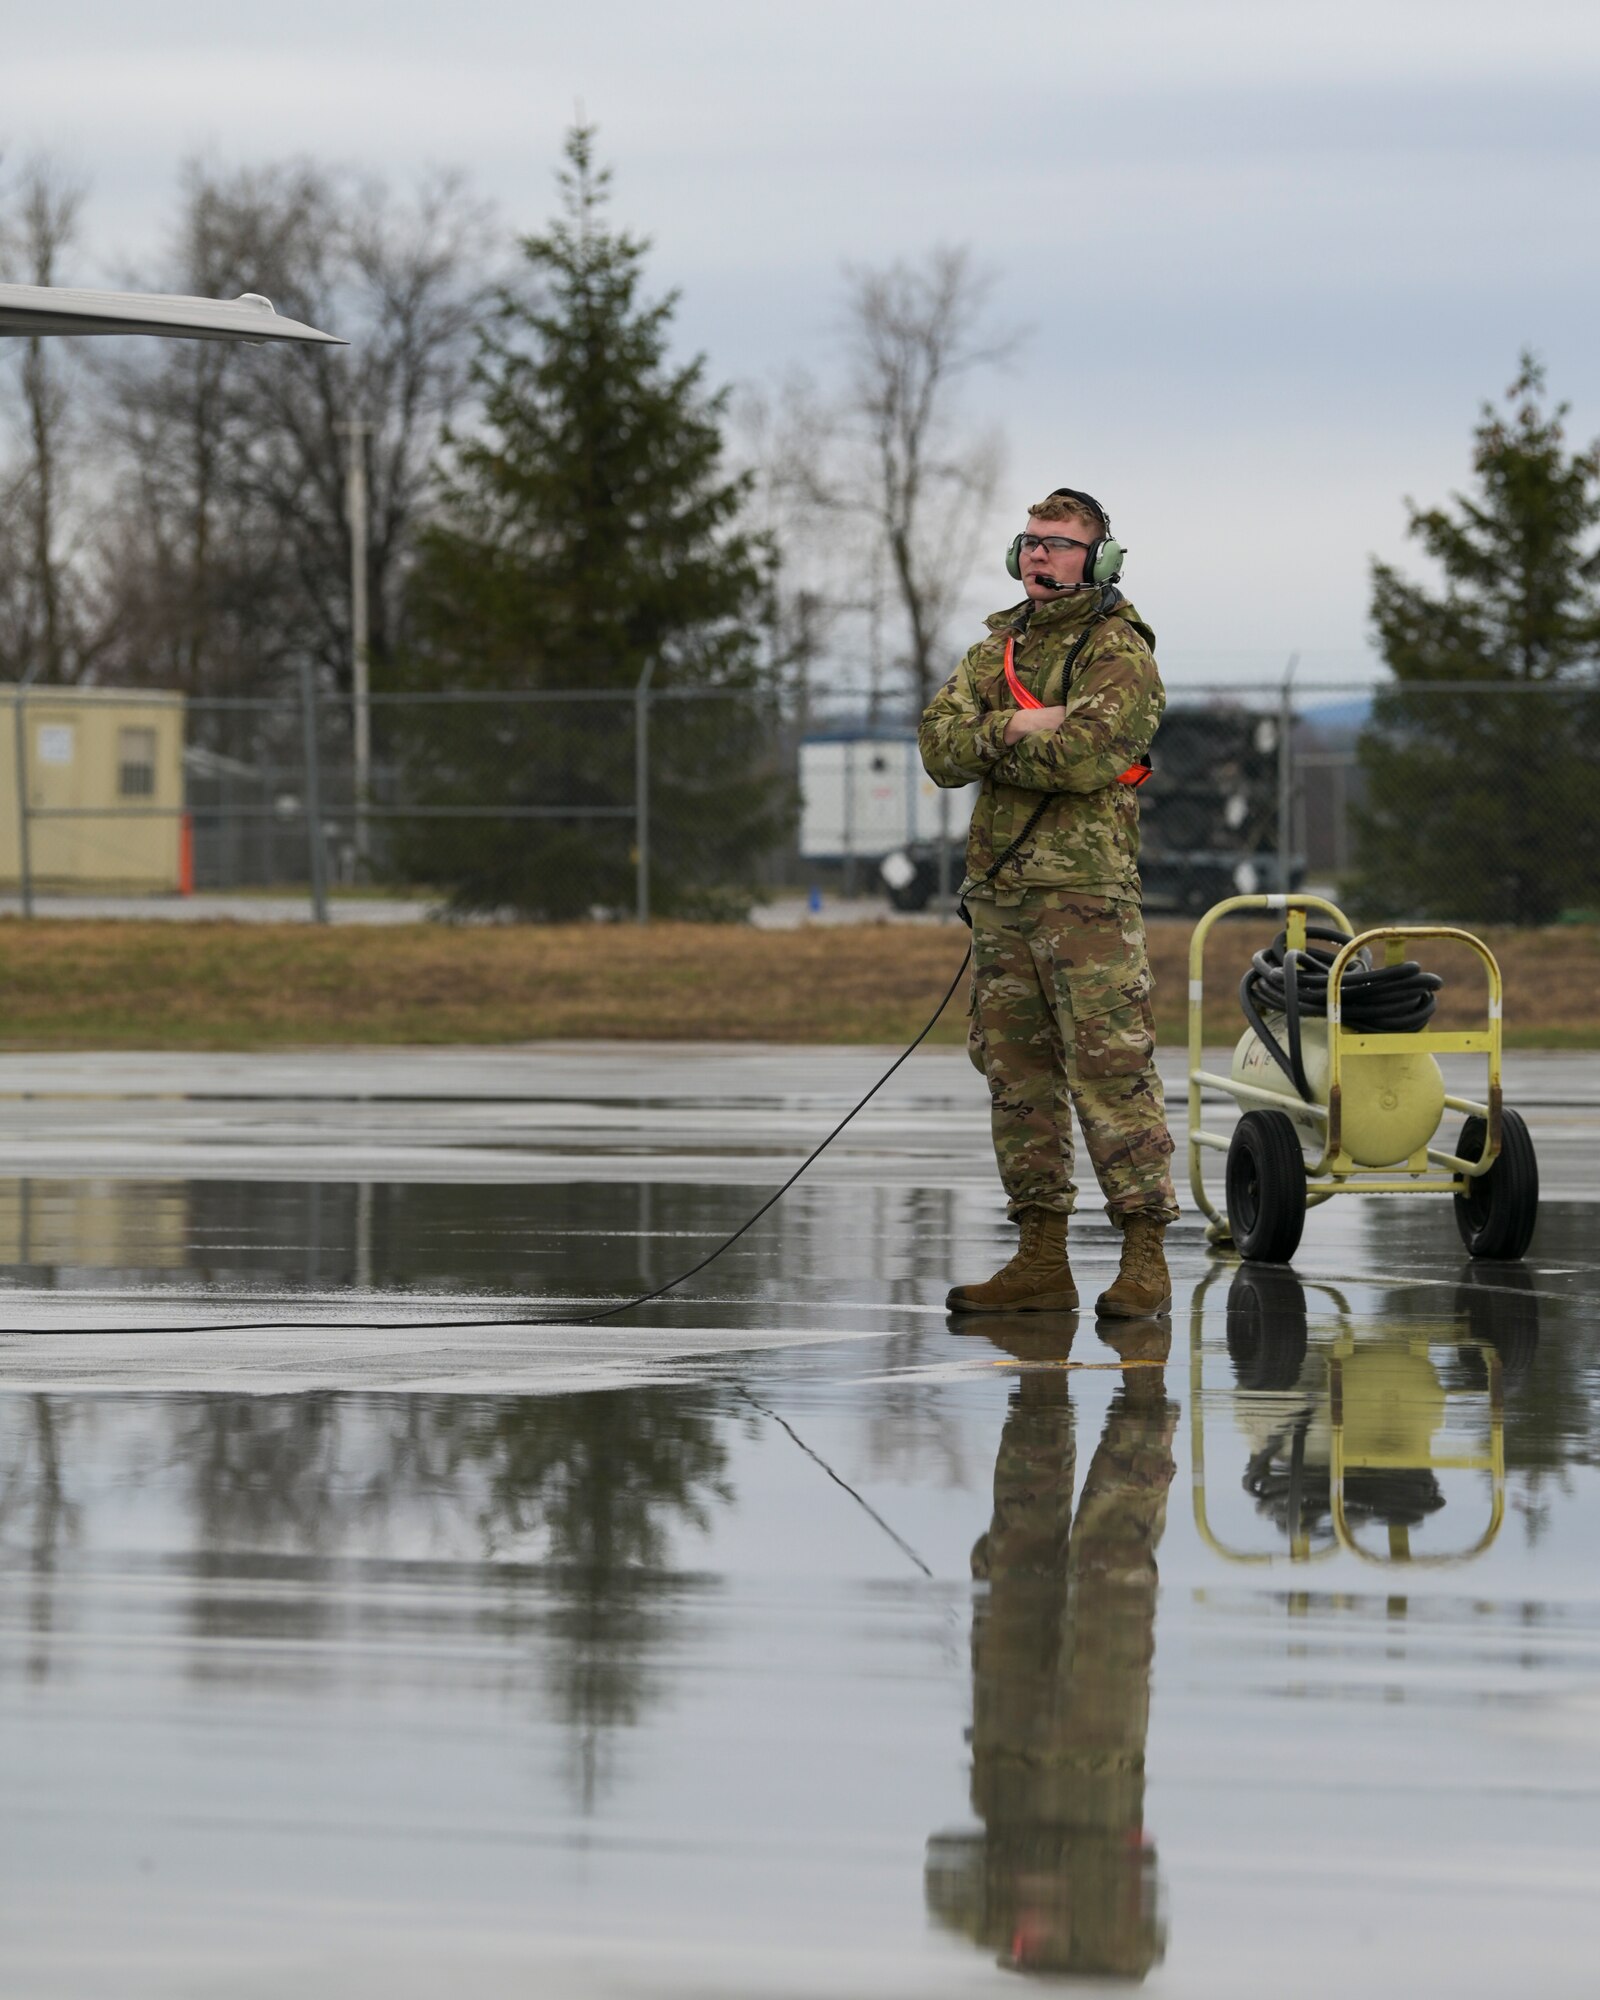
1394,937
1293,905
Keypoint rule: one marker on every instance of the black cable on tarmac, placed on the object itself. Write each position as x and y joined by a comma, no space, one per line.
418,1324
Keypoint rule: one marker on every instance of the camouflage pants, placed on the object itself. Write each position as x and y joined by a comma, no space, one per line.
1061,1022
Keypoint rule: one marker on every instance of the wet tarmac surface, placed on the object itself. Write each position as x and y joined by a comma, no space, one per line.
778,1638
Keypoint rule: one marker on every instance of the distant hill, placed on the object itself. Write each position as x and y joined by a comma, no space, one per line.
1351,714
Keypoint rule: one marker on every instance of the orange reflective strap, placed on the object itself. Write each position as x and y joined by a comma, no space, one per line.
1135,773
1019,693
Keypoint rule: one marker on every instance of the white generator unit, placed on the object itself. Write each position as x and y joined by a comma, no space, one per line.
862,797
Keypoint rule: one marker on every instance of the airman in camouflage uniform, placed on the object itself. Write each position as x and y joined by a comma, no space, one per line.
1061,1010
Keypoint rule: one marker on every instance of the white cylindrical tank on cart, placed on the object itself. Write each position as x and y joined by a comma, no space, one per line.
1391,1104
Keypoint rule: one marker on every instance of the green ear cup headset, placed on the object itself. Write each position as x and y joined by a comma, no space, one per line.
1102,562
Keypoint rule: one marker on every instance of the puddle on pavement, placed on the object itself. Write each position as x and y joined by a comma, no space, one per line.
1267,1658
569,1238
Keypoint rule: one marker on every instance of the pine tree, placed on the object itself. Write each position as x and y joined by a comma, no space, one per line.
587,533
1481,806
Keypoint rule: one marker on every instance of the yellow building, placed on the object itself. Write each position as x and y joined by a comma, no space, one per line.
102,769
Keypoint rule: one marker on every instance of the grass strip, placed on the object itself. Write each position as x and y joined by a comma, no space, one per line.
221,985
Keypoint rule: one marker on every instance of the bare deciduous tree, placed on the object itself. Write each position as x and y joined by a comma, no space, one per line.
914,333
875,495
40,223
787,438
231,563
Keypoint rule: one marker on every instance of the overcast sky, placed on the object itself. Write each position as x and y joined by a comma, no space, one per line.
1274,255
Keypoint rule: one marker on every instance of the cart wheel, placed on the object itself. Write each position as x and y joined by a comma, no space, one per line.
1266,1182
1266,1328
1497,1213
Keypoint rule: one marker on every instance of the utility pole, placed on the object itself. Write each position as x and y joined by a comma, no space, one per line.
313,797
641,794
19,726
357,431
1286,777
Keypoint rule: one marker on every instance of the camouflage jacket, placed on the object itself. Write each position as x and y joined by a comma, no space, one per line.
1088,836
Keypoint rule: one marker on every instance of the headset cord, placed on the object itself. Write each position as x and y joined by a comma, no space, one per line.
1381,999
559,1319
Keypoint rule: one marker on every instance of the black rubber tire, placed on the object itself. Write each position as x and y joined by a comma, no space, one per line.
920,891
1497,1213
1266,1328
1266,1182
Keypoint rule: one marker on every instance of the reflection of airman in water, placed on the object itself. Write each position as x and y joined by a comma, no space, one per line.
1061,1878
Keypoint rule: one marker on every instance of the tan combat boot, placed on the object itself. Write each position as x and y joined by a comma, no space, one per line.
1142,1287
1038,1278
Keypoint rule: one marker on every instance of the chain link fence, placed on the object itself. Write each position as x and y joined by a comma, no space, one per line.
559,802
1452,801
1468,800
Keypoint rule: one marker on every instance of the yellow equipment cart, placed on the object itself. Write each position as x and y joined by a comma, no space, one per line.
1368,1103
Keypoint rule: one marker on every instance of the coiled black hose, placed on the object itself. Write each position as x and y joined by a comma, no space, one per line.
1373,999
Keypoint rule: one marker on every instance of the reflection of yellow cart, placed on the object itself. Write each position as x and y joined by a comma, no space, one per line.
1388,1411
1369,1102
1349,1431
